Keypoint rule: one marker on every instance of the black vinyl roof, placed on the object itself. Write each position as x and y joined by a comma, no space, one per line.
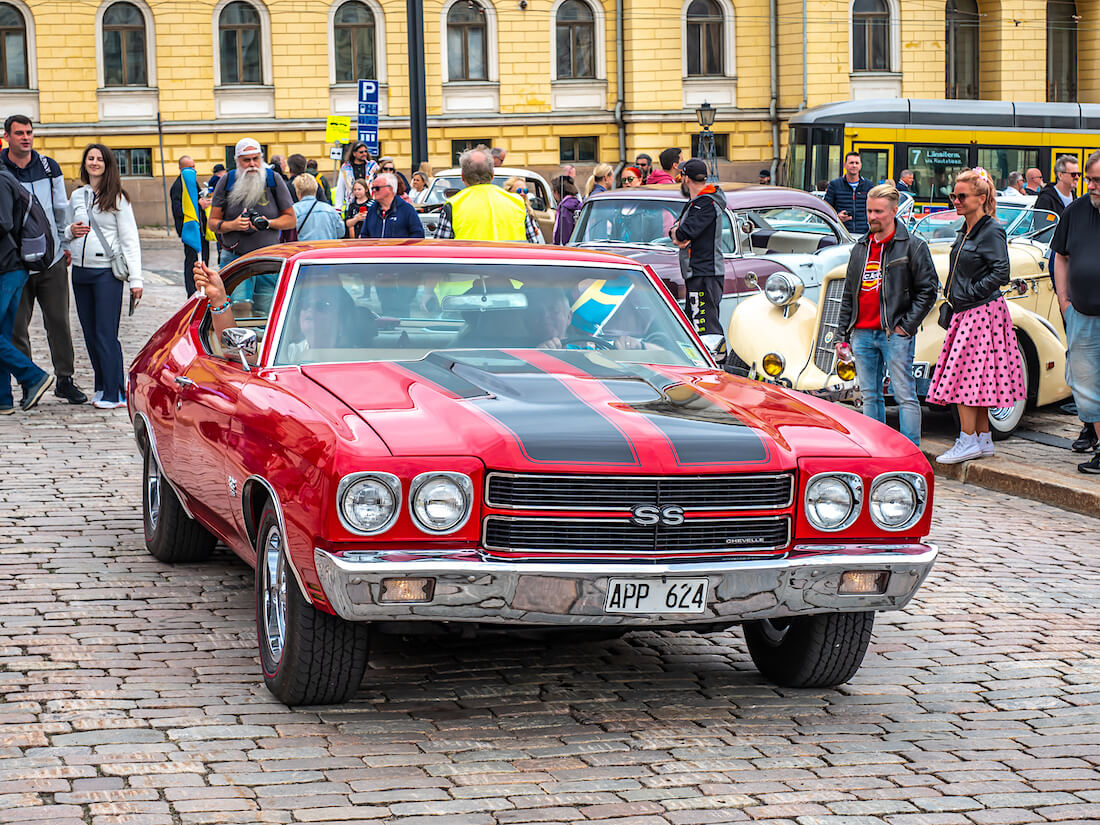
987,114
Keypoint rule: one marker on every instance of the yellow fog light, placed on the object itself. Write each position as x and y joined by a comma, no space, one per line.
863,582
407,590
773,364
845,370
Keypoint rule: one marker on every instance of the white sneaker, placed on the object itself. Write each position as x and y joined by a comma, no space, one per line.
985,442
108,405
966,447
98,396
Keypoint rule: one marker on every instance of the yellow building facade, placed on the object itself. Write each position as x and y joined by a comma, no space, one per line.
539,77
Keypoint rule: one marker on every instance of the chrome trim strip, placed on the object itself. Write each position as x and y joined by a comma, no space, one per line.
553,593
612,479
153,443
747,549
282,526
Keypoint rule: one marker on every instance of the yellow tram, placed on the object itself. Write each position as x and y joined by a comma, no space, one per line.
937,139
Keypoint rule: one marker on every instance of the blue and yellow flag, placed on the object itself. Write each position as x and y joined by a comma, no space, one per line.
598,303
192,226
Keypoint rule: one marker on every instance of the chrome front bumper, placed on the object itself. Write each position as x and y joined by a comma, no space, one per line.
567,593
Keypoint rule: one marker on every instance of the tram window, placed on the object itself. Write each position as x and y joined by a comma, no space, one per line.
796,167
876,164
999,162
935,168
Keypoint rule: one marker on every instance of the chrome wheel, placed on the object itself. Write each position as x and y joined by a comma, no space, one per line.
1004,420
153,481
274,594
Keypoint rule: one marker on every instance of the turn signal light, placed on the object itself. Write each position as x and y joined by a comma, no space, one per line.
407,590
863,582
773,364
845,370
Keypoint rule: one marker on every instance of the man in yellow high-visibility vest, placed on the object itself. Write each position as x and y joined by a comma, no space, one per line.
482,211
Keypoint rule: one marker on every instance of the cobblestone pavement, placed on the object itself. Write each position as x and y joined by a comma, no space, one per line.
131,691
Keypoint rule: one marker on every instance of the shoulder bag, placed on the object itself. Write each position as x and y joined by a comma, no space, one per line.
119,265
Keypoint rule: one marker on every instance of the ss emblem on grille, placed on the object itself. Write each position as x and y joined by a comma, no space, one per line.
646,515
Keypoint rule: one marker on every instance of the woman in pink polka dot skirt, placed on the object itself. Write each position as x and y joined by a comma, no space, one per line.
979,366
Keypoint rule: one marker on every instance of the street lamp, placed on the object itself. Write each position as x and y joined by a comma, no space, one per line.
705,115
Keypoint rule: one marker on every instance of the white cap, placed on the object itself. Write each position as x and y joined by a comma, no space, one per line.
246,146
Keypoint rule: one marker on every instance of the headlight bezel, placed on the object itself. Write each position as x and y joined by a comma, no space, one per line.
853,482
389,480
916,482
465,485
794,288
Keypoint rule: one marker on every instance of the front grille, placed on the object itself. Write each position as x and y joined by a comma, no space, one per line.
828,324
621,537
620,493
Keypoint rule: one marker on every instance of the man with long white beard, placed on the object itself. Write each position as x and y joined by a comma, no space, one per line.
250,206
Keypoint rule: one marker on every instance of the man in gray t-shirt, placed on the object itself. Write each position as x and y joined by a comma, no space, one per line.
244,201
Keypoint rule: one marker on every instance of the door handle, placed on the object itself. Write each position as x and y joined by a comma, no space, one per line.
183,381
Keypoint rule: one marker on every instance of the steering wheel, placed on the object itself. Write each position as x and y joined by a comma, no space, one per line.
661,339
600,343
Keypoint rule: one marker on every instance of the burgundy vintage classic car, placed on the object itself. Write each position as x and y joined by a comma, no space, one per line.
505,435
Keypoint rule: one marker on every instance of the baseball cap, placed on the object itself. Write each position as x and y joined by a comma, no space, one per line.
765,172
219,167
246,146
694,169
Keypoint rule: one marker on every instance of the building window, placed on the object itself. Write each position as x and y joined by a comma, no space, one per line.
353,34
135,163
721,146
705,23
467,46
579,149
962,49
870,36
240,44
1062,51
13,48
460,146
576,45
124,54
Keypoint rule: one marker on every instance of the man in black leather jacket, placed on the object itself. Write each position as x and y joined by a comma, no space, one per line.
890,287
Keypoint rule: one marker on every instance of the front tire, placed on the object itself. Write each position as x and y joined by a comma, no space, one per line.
170,534
822,650
1003,421
308,657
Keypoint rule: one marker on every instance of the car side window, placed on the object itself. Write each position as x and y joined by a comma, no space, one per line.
729,246
251,291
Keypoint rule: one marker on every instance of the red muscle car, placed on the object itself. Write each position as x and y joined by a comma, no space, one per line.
487,435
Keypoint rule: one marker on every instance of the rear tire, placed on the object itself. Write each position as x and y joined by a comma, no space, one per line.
170,534
308,657
822,650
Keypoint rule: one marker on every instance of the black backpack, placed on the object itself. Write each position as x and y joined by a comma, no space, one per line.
33,234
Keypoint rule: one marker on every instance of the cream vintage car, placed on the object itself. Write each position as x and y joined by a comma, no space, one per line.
785,338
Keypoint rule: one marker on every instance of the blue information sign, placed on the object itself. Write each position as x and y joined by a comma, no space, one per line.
367,125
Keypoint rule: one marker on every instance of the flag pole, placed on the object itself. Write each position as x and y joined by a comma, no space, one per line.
163,177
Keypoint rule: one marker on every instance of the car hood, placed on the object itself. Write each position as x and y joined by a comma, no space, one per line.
572,411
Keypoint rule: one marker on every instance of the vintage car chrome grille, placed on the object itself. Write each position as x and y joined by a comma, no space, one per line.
757,491
617,537
828,324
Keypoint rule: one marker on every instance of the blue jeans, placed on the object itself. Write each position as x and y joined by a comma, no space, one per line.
1083,363
12,361
98,296
874,351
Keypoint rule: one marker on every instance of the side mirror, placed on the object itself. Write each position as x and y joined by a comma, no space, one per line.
751,280
242,341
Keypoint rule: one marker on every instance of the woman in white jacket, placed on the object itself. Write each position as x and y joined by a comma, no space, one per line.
98,292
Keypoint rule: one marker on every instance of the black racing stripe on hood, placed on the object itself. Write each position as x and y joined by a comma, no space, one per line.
549,423
698,430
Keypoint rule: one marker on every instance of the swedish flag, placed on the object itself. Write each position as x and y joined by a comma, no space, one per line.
193,218
598,303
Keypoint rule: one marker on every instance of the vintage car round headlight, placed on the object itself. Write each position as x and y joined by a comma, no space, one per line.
773,364
440,502
897,500
845,370
833,500
369,502
783,288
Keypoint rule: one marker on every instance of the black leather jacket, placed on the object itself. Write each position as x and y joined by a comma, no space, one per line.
979,265
909,283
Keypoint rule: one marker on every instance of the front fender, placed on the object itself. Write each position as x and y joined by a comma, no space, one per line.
758,327
1049,349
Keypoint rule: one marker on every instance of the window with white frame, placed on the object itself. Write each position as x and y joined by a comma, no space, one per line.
575,30
13,48
961,49
125,58
354,33
705,39
467,42
1062,51
870,36
240,43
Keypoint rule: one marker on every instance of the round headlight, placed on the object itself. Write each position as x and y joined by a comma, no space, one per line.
782,288
773,364
833,500
368,503
896,501
845,370
440,502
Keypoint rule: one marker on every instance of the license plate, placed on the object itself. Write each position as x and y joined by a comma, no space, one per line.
656,596
920,369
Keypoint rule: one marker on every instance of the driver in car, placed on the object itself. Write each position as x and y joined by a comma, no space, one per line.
550,322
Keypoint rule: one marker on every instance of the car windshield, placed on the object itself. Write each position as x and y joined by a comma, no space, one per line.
360,312
445,187
1019,221
625,220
